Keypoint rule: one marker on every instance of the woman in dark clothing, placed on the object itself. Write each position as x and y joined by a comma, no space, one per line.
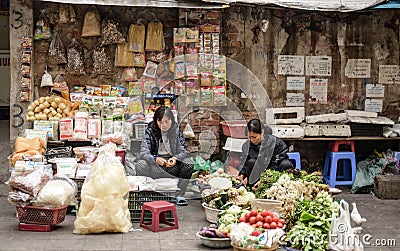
260,152
163,152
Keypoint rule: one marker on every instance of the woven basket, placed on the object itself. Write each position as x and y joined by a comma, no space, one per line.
237,248
211,213
266,204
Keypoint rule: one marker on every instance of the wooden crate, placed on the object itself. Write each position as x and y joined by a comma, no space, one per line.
387,186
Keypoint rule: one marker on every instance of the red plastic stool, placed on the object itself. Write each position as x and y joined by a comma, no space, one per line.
334,146
158,211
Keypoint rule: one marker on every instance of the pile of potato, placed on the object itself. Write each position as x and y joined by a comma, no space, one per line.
50,108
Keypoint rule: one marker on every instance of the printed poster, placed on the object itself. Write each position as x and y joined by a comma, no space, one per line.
374,91
373,105
389,74
318,65
295,99
296,83
290,65
358,68
318,91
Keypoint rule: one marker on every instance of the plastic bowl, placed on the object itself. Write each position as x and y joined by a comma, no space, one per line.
214,242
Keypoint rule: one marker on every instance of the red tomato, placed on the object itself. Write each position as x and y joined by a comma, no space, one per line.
264,213
256,232
252,220
273,225
259,218
253,212
247,215
242,219
282,221
259,224
279,225
266,226
275,219
253,225
268,219
270,213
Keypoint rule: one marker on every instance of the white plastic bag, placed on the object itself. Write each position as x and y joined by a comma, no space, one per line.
47,79
188,132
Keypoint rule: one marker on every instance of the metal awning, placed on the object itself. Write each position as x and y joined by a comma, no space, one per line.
149,3
394,4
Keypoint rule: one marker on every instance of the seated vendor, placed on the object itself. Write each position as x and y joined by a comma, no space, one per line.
260,152
163,152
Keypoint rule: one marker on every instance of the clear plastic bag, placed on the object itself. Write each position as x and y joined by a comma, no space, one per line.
75,58
91,23
101,61
188,132
111,31
56,50
104,207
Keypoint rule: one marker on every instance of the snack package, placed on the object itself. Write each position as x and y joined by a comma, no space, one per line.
81,122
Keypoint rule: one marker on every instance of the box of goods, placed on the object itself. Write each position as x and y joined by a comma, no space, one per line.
288,131
360,129
137,198
58,152
387,186
336,130
234,128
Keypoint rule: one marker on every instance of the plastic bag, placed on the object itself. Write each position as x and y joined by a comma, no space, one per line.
30,182
101,61
91,23
154,37
111,31
136,37
66,13
47,79
43,29
56,50
188,132
129,74
341,235
103,207
75,58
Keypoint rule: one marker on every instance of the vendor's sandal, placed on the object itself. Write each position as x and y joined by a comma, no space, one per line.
181,201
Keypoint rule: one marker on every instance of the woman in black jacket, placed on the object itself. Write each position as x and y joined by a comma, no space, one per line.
163,152
260,152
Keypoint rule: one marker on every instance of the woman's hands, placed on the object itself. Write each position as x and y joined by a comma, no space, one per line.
242,179
167,163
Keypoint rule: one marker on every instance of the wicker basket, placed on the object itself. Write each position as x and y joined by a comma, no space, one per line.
237,248
41,215
211,213
266,204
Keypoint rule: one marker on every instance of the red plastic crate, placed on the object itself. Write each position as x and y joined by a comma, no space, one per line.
234,128
41,215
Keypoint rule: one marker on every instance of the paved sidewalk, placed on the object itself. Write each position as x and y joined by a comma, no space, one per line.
383,223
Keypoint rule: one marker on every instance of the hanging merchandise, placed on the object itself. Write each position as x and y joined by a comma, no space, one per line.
150,70
111,31
129,74
124,57
101,62
154,37
66,13
92,23
26,58
43,29
56,50
139,59
47,79
75,58
136,37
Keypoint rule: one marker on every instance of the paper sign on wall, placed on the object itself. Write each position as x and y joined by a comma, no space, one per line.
295,83
290,65
295,99
358,68
373,105
318,91
318,65
389,74
374,91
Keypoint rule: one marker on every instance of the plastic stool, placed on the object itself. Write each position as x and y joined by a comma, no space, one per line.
331,165
334,146
296,157
158,211
396,155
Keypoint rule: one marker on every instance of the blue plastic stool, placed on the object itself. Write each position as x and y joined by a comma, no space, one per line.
396,155
331,166
294,157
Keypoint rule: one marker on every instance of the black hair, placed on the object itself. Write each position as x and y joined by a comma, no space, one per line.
255,126
159,114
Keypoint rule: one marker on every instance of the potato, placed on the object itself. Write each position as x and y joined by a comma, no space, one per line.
49,99
41,106
53,113
57,99
59,110
62,105
46,104
37,109
54,104
31,113
42,99
46,111
36,102
51,109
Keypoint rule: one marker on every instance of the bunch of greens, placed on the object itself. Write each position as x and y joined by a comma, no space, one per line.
306,238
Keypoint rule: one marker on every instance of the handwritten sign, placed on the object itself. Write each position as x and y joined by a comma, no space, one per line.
295,83
318,91
358,68
295,99
318,65
290,65
373,105
374,91
389,74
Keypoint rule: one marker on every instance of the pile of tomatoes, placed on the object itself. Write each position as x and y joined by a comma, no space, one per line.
262,220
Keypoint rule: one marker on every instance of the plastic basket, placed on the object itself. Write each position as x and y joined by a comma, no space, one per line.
266,204
41,215
234,128
211,213
137,198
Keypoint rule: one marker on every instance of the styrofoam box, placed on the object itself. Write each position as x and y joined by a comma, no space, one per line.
357,113
330,117
287,131
336,130
234,144
312,130
270,115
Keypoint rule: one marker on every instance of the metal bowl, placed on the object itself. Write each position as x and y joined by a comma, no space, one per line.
214,242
